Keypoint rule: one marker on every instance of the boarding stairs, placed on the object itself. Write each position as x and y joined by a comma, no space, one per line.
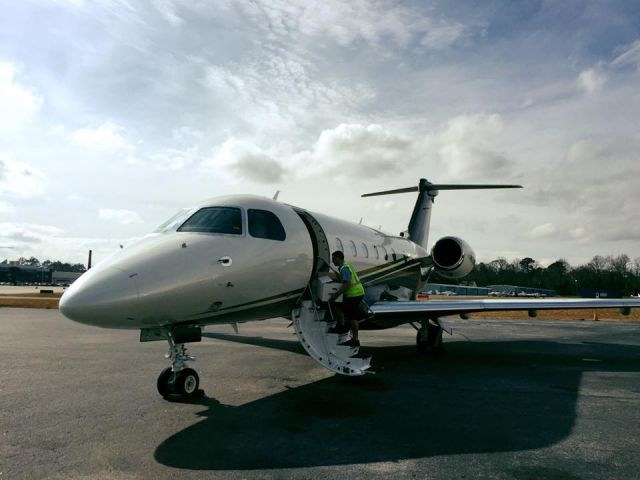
312,330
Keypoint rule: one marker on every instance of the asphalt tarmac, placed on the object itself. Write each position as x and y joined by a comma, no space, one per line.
508,400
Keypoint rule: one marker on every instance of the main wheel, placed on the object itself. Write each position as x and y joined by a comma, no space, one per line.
429,340
186,382
421,343
164,385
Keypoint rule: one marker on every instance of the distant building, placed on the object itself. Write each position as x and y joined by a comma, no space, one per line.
64,278
516,291
499,290
600,293
15,274
444,289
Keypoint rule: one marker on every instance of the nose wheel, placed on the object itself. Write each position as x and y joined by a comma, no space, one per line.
184,383
178,379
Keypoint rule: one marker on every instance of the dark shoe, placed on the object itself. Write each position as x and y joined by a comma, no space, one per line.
350,343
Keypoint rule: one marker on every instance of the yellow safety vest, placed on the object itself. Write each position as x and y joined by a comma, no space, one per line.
356,289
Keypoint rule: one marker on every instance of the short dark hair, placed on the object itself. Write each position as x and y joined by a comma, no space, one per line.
338,254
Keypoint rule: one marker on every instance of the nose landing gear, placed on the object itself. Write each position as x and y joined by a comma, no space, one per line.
178,379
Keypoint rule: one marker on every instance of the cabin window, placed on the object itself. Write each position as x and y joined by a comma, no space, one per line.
393,254
214,220
339,245
265,224
365,250
352,247
384,252
375,250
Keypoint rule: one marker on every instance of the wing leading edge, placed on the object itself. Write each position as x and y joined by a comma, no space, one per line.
413,310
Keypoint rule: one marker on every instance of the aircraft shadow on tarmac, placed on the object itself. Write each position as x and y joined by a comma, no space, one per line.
480,397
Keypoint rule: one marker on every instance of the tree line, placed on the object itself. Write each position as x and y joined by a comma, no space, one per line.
617,273
52,265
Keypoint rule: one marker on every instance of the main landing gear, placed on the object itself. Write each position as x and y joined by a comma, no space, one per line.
429,338
178,380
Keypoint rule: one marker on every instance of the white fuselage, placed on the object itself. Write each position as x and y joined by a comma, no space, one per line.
173,276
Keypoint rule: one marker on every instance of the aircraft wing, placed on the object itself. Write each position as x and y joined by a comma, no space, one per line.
414,310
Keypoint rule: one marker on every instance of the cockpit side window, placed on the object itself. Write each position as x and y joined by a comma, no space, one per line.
174,221
265,224
214,220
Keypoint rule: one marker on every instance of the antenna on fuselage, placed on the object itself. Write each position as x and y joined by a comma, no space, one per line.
275,197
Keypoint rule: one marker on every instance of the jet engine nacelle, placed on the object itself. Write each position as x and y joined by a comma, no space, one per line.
453,257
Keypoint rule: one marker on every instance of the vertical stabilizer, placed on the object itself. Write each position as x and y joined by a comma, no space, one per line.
427,191
421,216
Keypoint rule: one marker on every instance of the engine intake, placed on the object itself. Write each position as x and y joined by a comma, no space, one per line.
453,257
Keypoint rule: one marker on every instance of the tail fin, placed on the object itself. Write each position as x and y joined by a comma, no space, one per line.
421,217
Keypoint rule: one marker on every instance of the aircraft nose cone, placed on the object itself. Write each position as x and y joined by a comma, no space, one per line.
107,298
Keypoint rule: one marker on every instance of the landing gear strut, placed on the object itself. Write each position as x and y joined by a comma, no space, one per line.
429,338
178,379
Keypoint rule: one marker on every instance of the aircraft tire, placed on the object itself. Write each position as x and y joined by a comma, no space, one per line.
164,386
431,343
422,344
187,382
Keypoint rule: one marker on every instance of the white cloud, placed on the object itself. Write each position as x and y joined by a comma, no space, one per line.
167,8
442,35
6,208
346,23
357,150
578,233
72,3
628,55
18,104
48,242
75,197
592,80
20,180
173,159
15,234
186,134
123,217
245,161
545,230
469,148
223,81
278,90
107,136
385,205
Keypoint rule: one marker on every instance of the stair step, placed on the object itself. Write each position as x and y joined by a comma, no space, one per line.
324,347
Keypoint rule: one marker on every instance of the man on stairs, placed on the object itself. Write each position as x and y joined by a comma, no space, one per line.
352,292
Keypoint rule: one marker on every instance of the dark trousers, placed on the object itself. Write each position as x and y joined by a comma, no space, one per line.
350,306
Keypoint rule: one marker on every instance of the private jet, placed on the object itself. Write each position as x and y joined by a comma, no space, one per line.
242,258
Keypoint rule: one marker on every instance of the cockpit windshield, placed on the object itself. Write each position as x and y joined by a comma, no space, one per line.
174,221
214,220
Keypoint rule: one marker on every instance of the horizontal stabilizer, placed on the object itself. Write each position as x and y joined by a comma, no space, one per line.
441,186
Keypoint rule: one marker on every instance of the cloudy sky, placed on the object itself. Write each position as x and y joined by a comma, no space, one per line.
116,114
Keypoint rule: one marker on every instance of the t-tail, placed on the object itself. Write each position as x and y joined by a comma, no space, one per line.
421,216
451,255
